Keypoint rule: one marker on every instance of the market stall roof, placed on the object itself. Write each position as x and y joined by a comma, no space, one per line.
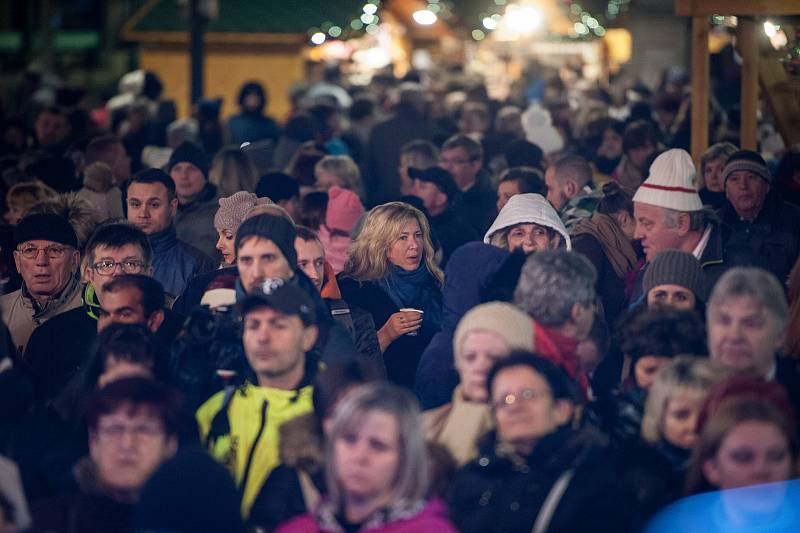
241,21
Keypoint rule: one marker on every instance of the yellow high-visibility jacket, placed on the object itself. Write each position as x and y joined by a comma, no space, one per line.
250,449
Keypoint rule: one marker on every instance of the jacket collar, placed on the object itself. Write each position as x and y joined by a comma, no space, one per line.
164,240
55,302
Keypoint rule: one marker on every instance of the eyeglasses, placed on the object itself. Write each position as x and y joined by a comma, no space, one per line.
445,162
115,432
525,395
52,252
106,268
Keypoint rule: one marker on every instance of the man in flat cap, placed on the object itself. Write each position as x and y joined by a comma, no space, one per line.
47,258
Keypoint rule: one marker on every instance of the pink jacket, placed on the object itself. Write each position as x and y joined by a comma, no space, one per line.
432,519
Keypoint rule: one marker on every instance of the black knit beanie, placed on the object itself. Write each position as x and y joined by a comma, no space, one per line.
275,228
190,152
45,227
673,267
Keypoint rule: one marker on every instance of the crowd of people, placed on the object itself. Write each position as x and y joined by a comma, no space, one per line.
405,307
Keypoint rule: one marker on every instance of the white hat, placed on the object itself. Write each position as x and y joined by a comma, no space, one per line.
539,129
528,208
671,183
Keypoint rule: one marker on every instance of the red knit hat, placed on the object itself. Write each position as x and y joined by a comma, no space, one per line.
344,209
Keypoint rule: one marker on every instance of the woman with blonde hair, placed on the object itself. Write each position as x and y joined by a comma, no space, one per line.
377,468
232,172
390,272
22,196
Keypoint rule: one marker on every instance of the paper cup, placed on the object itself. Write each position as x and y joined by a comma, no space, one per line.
411,310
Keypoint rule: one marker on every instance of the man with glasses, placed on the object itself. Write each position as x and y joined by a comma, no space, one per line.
133,428
112,251
462,157
47,258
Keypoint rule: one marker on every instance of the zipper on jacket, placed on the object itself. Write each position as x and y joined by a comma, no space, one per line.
250,455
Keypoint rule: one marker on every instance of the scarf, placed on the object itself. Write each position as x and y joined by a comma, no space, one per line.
466,424
560,350
615,243
416,289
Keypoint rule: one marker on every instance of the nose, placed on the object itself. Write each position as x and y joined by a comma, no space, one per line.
145,212
219,245
42,258
638,234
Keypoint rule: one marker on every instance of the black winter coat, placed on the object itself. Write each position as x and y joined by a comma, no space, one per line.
492,494
402,356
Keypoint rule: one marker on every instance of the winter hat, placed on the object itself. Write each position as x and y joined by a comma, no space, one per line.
344,209
275,228
189,152
528,208
747,160
673,267
189,493
233,209
512,324
45,227
671,183
539,129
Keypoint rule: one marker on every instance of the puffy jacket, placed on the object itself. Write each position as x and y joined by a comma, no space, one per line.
247,439
175,262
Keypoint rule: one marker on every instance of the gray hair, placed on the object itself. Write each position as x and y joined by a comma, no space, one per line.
762,286
698,220
413,470
716,151
552,282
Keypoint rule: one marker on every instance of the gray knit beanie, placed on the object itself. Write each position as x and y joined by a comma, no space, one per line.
673,267
747,160
233,209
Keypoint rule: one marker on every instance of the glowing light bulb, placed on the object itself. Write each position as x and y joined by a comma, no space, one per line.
424,17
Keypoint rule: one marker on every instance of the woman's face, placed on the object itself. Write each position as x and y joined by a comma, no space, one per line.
479,350
524,408
326,180
679,426
532,238
366,458
646,369
407,250
15,213
225,246
751,453
712,175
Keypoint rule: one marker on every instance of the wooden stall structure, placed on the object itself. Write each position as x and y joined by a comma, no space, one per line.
700,11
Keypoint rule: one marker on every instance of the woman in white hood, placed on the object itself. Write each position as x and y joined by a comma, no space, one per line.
530,222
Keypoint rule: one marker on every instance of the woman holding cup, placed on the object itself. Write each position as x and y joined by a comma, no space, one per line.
390,272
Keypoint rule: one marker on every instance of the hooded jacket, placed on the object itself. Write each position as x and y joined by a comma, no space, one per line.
528,208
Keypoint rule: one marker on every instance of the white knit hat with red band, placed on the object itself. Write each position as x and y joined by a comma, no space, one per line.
671,183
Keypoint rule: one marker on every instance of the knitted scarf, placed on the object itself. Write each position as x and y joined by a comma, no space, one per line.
416,289
615,243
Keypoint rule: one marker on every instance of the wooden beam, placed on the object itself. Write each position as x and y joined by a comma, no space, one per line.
692,8
747,43
700,87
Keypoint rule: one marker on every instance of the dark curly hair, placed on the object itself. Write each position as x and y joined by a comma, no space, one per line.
662,331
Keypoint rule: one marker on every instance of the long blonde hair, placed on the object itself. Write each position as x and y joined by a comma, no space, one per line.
368,258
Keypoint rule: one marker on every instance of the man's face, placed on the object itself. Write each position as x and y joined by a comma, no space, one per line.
654,230
189,180
432,198
120,164
127,447
125,306
743,334
505,191
127,259
311,260
45,266
150,208
555,189
746,192
275,344
259,259
51,128
458,163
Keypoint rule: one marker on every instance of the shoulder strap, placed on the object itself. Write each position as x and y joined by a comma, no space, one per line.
311,494
545,515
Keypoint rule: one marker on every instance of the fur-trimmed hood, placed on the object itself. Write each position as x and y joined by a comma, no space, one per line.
301,444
